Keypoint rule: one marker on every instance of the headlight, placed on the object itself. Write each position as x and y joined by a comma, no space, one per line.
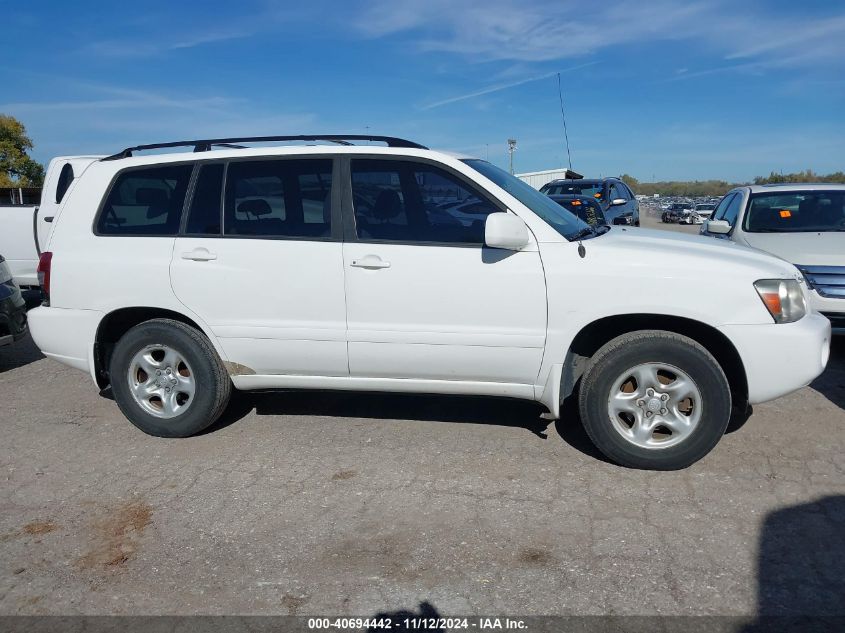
783,298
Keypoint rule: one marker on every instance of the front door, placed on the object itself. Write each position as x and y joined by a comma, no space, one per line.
425,299
265,271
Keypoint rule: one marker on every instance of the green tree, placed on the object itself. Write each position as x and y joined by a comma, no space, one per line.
17,169
629,180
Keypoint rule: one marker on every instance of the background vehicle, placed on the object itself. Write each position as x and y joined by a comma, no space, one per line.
702,212
12,307
673,213
617,201
376,292
802,223
586,208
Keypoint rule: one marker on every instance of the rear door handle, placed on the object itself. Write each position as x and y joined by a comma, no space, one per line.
199,255
370,261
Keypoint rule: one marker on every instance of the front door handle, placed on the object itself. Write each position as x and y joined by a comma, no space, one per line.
370,261
199,255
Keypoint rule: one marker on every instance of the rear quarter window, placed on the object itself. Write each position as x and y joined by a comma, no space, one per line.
145,201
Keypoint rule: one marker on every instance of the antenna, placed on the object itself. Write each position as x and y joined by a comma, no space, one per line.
563,116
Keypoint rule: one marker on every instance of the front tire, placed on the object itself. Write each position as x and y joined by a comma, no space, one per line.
167,379
655,400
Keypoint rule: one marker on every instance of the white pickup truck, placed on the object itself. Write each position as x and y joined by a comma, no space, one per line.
25,228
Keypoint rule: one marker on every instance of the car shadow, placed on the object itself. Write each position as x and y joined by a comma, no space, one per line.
831,384
800,579
18,354
427,618
387,406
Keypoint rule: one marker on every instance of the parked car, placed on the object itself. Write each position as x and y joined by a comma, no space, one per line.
618,202
801,223
12,307
215,279
584,207
673,212
702,212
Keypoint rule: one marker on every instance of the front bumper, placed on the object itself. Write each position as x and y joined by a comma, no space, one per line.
13,323
780,358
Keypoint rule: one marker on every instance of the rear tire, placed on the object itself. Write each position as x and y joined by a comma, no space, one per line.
167,379
654,400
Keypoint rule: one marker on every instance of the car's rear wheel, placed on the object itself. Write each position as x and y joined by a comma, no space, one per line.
655,400
167,379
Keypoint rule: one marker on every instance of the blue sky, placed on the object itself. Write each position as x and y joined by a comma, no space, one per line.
668,89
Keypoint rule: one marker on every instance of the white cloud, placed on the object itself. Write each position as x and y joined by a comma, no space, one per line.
552,30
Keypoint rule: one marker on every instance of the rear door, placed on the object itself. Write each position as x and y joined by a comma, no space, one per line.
259,259
426,299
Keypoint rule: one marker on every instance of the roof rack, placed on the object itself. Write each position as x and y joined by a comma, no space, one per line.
204,145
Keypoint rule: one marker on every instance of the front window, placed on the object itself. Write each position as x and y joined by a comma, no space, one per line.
796,212
544,207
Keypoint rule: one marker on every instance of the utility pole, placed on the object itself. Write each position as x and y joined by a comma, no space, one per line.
511,150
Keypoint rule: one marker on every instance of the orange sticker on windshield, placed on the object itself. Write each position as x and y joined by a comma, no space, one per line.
596,195
786,213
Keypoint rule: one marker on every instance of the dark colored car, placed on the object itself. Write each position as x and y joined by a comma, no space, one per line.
12,308
618,202
673,213
586,208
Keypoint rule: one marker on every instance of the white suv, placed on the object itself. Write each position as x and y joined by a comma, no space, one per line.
174,277
802,223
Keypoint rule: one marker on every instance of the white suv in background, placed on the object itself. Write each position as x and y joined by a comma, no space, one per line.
802,223
173,278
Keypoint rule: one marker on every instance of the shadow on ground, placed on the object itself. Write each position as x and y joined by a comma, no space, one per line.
387,406
800,579
831,384
19,354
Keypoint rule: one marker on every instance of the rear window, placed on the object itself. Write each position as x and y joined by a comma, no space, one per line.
145,201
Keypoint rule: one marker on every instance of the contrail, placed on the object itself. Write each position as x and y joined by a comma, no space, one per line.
498,87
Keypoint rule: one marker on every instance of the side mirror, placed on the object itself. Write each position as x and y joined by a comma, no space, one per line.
617,201
720,227
505,230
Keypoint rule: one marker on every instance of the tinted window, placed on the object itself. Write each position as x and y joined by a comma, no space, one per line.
594,189
415,202
146,201
279,198
65,178
618,191
204,216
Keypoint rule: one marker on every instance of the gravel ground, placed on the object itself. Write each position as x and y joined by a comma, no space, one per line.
340,503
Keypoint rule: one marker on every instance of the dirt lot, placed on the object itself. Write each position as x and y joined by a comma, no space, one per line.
309,503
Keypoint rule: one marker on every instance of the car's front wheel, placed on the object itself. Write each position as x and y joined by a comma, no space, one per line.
655,400
167,379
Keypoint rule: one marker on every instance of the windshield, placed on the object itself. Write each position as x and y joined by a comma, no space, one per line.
552,213
795,212
705,207
586,209
591,189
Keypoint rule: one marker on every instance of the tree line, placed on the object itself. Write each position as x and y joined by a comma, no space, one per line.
718,188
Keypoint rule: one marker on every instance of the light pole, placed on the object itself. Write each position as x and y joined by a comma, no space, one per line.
511,150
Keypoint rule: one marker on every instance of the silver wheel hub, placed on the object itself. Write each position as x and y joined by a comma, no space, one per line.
654,405
161,381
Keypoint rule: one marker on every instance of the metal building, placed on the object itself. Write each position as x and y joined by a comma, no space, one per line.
539,178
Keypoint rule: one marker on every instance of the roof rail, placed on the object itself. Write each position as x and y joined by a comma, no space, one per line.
204,145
